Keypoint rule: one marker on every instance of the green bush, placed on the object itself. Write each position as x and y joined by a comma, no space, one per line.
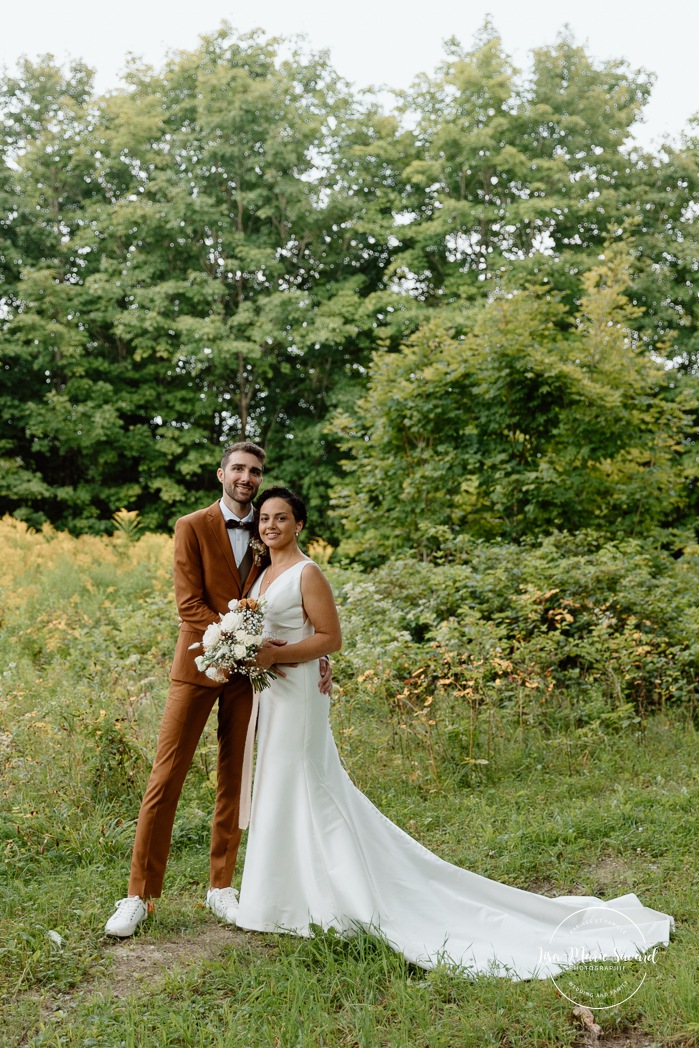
565,633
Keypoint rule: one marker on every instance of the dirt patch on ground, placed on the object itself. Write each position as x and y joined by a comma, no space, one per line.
628,1039
609,875
592,1033
135,964
610,872
137,961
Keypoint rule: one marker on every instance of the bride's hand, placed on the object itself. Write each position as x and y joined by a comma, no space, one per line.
267,654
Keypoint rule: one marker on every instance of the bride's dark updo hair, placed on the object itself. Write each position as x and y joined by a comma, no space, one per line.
298,506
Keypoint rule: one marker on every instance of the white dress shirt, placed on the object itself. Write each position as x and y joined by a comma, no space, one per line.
239,537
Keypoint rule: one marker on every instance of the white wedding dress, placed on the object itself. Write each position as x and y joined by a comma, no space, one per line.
319,853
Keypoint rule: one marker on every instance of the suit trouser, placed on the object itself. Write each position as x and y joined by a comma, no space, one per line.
186,712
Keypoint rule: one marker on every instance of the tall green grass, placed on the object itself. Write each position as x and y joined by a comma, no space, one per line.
571,800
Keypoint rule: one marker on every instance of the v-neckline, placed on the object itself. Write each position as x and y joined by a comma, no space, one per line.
263,593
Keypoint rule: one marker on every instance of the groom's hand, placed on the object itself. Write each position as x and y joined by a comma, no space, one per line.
325,684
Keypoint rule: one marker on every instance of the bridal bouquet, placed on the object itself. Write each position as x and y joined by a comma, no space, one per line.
230,645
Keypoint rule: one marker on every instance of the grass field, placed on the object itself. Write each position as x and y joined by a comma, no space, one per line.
87,631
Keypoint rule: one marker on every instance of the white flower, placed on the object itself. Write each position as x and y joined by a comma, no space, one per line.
215,674
212,635
231,621
229,644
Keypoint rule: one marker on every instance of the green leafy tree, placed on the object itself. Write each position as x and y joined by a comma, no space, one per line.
521,178
47,374
536,419
515,171
160,273
222,247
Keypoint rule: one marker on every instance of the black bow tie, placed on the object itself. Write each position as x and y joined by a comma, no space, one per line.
247,524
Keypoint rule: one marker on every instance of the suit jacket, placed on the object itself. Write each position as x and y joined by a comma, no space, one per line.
206,578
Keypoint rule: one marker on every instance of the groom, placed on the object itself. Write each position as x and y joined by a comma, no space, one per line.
213,564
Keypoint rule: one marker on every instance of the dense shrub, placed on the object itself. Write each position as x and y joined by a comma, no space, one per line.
567,630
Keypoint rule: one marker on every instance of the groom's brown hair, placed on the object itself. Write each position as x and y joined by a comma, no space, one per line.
243,445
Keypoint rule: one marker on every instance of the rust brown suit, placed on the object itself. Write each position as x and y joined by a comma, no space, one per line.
206,578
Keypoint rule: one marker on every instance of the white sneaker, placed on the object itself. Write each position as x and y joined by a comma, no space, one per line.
223,902
129,913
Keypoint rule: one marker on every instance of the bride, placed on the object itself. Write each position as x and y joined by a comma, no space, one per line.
320,854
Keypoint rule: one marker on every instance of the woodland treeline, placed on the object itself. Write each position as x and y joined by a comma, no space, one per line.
469,308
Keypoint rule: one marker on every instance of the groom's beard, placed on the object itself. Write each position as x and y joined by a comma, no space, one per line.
242,494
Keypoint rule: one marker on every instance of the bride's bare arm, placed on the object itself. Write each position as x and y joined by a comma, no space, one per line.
319,605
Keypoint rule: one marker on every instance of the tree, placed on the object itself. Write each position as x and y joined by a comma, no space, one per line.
44,344
515,172
220,249
173,237
537,418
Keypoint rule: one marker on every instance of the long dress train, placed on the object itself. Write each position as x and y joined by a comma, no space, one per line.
319,853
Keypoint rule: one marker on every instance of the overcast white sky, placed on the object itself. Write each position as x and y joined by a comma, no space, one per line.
375,41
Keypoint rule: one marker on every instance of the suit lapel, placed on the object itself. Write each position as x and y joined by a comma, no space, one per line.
252,575
218,528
